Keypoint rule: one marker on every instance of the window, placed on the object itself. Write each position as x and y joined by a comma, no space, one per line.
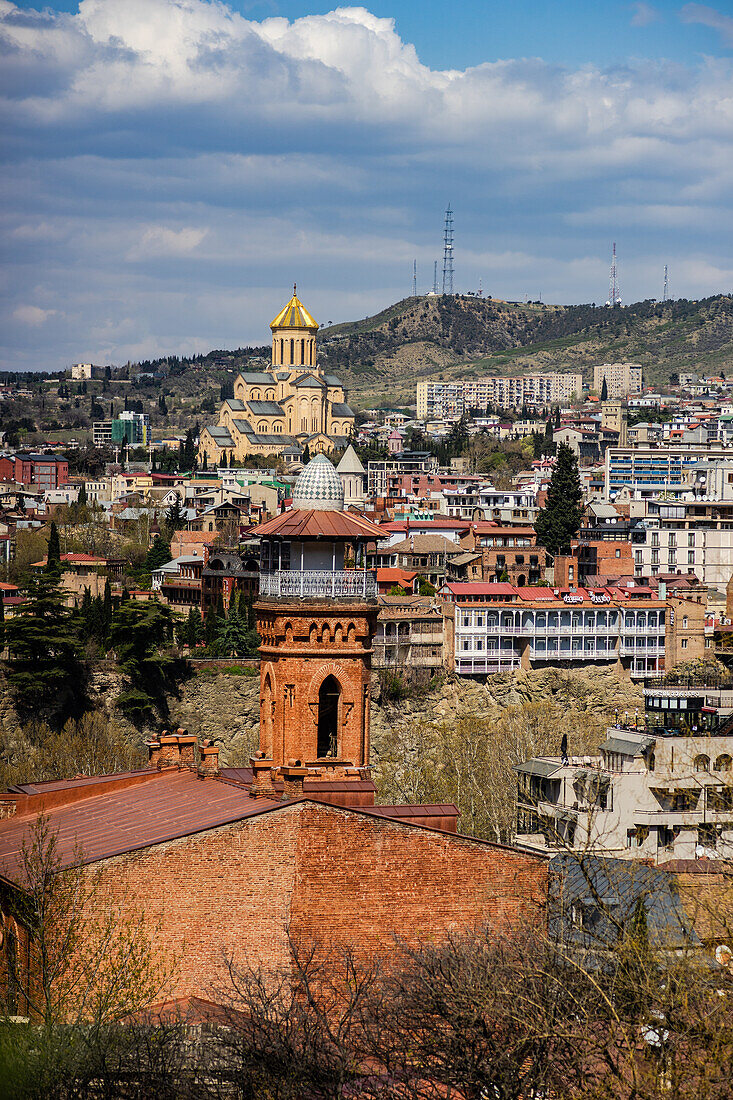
691,538
684,622
683,643
690,557
655,538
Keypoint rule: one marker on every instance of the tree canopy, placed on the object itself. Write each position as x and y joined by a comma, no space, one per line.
558,522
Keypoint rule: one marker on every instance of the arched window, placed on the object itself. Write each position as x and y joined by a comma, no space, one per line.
702,763
302,351
723,763
328,714
292,351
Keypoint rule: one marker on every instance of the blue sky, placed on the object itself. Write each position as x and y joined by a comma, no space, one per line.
171,166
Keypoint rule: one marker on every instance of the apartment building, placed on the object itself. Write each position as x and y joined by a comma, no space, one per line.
661,787
436,398
621,378
499,627
687,536
647,471
401,474
409,633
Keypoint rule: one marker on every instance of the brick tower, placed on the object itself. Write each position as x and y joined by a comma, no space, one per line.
317,620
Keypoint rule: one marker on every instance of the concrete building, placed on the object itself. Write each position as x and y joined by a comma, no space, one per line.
647,471
436,399
660,789
621,378
409,634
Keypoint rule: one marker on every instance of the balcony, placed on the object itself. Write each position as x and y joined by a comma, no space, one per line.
310,584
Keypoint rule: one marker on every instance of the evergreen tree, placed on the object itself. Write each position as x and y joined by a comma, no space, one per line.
194,627
205,464
174,518
139,631
558,522
162,406
158,554
2,623
189,452
44,668
152,462
107,607
211,626
53,556
220,612
557,416
604,389
181,457
82,498
306,455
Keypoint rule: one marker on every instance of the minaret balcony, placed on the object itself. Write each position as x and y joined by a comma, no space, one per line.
354,583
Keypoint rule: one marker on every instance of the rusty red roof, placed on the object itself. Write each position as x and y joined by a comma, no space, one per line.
311,524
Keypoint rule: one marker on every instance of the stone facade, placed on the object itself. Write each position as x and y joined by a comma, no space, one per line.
293,402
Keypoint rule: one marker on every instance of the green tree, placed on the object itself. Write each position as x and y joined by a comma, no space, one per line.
194,627
175,519
82,497
158,554
140,632
53,555
231,636
211,626
558,522
604,389
44,667
2,623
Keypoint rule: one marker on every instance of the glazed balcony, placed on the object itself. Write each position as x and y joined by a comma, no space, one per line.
315,583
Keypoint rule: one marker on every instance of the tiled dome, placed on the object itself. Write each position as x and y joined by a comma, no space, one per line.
319,487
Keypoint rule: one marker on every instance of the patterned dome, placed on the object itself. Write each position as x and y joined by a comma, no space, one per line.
319,487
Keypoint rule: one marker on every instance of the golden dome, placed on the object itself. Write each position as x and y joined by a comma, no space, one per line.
294,315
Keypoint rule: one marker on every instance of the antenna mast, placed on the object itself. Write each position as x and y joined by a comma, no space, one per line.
448,252
614,295
435,277
414,278
665,292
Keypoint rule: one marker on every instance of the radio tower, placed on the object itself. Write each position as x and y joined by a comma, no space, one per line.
665,292
614,296
435,277
448,252
414,278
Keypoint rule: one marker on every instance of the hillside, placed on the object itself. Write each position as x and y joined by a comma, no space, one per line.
382,357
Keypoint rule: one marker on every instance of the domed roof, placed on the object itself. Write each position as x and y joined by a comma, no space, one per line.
319,487
294,315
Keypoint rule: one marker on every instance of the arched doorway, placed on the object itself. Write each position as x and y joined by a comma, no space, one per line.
328,714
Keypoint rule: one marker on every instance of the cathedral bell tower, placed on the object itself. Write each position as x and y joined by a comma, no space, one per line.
294,337
317,619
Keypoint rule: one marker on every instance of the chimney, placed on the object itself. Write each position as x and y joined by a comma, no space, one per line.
169,754
293,775
186,748
208,760
262,770
8,805
153,748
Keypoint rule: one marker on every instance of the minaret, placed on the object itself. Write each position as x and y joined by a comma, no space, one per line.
317,620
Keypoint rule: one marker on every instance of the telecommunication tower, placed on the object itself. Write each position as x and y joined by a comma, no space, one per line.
665,292
435,277
614,293
414,278
448,252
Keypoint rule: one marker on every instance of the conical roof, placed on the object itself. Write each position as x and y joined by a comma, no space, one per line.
294,315
319,487
350,462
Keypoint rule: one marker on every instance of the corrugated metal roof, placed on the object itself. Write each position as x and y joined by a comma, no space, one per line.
538,767
312,524
631,746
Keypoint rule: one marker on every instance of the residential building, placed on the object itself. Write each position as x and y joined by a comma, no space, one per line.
400,474
660,789
649,470
293,402
436,398
424,554
409,634
37,470
497,627
621,378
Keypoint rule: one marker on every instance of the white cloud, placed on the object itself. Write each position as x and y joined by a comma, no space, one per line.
709,17
644,14
158,241
33,315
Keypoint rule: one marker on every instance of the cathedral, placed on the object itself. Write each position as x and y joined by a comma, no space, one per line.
292,404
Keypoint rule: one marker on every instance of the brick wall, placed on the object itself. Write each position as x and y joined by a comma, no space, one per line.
328,873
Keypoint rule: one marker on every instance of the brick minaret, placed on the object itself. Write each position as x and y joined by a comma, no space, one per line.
317,622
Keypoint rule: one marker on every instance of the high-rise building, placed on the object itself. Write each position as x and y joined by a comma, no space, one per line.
621,378
436,399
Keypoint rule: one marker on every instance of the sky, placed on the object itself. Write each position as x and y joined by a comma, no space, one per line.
171,167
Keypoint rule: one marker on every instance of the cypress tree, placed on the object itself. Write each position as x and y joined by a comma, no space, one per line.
107,607
604,389
211,626
53,556
220,613
82,498
558,522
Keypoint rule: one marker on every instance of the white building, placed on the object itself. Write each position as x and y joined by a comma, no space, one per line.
661,787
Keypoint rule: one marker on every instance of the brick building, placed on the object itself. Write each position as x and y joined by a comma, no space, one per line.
232,860
44,471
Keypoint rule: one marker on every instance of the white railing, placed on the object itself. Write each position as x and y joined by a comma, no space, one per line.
319,582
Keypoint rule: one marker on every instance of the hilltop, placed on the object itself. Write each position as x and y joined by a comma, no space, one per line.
383,356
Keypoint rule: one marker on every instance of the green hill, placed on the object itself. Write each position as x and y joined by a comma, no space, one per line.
382,357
